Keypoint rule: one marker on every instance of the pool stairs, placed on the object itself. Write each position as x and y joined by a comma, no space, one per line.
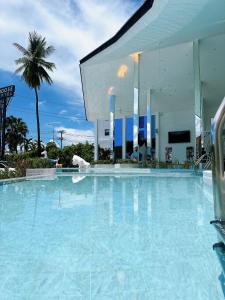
220,228
219,248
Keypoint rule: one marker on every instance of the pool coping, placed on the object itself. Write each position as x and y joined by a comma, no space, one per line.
110,172
163,175
20,179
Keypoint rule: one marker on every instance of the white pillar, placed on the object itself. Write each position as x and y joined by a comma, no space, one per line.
112,103
124,150
136,58
96,140
149,123
196,61
198,101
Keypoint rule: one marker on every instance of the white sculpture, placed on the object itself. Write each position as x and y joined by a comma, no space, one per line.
77,160
45,154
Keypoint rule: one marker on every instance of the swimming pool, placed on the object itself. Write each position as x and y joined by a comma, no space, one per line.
108,237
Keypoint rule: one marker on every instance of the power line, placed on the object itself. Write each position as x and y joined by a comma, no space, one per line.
71,134
47,100
72,118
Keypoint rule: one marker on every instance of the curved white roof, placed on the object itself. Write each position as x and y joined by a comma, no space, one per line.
165,27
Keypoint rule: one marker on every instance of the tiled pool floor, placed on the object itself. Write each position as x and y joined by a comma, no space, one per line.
108,237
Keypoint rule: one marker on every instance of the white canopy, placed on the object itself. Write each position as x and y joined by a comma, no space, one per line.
163,31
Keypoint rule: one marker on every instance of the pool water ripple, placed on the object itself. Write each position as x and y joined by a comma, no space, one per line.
108,237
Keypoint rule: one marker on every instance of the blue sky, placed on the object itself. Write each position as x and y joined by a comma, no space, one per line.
75,28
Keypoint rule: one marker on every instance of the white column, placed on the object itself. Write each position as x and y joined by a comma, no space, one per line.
124,150
149,123
196,61
112,103
96,140
198,102
136,58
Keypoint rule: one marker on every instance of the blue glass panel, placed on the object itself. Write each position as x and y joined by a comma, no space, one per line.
118,131
141,134
142,129
153,126
129,129
141,122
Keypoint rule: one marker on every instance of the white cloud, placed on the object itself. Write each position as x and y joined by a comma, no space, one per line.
74,27
63,111
75,136
42,103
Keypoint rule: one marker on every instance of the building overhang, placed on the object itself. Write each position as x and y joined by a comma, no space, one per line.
156,25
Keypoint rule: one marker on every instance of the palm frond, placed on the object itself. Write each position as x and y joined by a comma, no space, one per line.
21,49
22,60
49,50
20,69
44,75
47,64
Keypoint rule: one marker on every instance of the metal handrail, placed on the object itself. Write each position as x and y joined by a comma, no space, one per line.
208,163
198,161
218,162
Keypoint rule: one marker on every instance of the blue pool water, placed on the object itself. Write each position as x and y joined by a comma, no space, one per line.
108,237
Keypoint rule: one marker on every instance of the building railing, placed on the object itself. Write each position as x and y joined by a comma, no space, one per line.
217,151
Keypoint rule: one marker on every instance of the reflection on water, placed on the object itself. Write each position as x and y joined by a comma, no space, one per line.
77,178
107,237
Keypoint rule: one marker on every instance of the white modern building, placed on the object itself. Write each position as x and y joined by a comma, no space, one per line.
167,61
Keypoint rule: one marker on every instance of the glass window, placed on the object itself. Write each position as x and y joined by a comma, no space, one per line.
106,132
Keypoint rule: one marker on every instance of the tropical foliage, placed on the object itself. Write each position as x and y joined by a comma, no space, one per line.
16,131
65,155
34,68
104,153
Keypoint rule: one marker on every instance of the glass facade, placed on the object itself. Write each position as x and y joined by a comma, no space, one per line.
118,129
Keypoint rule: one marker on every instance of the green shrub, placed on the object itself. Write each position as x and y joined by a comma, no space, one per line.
125,161
31,163
35,163
6,174
22,164
16,157
103,162
53,151
86,151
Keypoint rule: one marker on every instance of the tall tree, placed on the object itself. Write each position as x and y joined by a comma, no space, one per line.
33,68
27,143
16,131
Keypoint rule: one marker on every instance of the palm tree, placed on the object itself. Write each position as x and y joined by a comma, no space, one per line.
33,68
16,131
30,145
27,143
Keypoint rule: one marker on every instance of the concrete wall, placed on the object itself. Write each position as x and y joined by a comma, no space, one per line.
103,141
175,121
40,172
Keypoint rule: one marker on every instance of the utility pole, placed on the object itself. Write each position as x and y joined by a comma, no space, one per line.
53,124
61,132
